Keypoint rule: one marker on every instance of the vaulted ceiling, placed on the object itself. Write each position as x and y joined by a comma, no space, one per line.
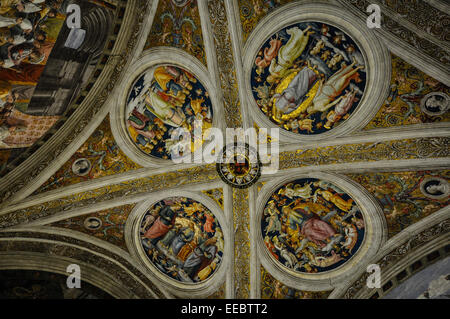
380,155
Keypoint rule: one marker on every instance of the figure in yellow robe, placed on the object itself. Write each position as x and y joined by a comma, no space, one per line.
289,53
336,200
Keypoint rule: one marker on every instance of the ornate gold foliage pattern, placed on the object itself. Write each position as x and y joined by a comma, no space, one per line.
421,148
227,73
233,118
241,243
104,154
216,194
260,185
138,186
252,11
402,33
274,289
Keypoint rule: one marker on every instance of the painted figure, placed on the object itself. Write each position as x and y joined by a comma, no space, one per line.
269,54
332,88
341,109
200,258
313,233
289,52
182,239
185,235
162,225
289,100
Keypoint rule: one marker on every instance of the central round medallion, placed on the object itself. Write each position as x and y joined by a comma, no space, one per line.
239,165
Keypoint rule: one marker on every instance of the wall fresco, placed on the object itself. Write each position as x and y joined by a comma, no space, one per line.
28,33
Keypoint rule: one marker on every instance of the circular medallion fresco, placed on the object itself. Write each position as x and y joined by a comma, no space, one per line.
161,102
239,166
311,226
308,77
183,239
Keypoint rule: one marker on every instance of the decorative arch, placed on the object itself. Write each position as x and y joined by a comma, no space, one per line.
21,260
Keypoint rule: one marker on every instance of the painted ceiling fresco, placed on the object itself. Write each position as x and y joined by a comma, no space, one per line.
308,77
432,282
312,226
274,289
162,100
27,36
101,156
400,195
108,224
183,239
408,88
178,25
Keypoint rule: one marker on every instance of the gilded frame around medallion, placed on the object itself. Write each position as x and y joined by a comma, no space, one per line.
375,235
374,51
